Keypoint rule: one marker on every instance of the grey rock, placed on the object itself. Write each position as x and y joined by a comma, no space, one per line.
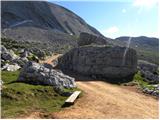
13,67
20,50
147,66
8,54
154,91
87,39
24,59
149,71
2,63
44,74
13,54
100,61
150,77
24,54
20,61
3,49
30,54
39,53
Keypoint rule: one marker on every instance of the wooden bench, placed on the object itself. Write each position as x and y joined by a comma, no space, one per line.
73,97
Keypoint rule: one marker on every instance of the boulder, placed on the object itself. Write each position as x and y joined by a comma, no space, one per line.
20,50
87,39
20,61
2,63
101,62
3,49
13,54
24,54
44,74
8,54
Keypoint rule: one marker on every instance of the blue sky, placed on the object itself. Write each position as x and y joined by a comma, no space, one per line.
114,18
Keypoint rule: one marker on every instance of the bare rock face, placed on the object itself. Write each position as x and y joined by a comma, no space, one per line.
7,54
44,74
149,71
101,62
147,66
43,14
86,39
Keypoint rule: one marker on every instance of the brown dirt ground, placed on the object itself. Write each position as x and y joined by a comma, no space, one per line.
102,100
50,59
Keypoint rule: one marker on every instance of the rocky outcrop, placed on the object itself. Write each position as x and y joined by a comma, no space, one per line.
7,54
154,91
150,77
12,67
87,39
21,61
101,62
24,54
3,49
44,74
149,71
147,66
10,61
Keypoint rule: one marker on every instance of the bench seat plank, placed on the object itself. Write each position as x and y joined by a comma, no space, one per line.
72,98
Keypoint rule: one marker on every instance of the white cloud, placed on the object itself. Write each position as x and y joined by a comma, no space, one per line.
145,3
123,10
110,32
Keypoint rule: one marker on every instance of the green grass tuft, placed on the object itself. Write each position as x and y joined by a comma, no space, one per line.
140,81
9,76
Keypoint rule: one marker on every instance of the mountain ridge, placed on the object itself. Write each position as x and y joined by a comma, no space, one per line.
147,47
44,15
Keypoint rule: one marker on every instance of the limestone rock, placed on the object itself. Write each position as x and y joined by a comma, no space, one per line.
20,61
24,54
87,39
8,54
44,74
3,49
147,66
154,91
149,71
150,77
101,62
13,67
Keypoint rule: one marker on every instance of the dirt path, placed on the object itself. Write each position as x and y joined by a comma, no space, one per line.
50,59
103,100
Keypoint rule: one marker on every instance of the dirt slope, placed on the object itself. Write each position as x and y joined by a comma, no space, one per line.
51,58
103,100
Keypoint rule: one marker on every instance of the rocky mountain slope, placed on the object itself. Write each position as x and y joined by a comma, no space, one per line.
43,15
